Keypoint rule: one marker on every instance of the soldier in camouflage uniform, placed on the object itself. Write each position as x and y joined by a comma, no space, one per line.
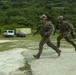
65,27
45,32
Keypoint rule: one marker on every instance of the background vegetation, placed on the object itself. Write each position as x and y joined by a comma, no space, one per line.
25,13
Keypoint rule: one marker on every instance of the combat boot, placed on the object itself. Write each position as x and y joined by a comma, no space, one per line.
36,56
59,52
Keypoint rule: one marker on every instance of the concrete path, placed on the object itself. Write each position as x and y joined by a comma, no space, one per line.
51,64
11,61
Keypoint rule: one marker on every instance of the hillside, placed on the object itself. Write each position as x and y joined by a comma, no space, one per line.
26,12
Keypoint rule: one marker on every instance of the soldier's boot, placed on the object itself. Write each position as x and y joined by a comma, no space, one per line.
59,52
36,56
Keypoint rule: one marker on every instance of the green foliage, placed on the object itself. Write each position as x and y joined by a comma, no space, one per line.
27,12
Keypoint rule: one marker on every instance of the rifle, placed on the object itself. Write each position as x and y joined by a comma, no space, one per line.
56,28
37,30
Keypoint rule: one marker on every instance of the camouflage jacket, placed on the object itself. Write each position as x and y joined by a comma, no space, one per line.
65,27
47,28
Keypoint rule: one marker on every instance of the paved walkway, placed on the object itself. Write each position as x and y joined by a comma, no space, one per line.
51,64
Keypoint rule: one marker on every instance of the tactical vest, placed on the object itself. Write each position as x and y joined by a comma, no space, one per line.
66,26
47,27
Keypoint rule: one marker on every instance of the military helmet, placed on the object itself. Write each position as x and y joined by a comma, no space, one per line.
60,18
43,16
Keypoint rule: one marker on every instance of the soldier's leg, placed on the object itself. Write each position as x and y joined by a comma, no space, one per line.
71,42
42,42
50,44
58,40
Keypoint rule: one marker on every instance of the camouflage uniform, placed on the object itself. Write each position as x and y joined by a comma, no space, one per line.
45,32
65,27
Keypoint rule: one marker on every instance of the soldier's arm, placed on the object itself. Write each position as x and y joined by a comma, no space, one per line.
70,29
56,28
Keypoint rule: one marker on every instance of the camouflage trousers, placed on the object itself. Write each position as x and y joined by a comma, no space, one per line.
49,43
66,38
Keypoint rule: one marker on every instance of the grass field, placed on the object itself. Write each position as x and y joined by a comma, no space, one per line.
29,42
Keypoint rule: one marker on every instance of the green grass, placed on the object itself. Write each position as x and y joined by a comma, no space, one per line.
28,37
5,46
25,67
30,42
